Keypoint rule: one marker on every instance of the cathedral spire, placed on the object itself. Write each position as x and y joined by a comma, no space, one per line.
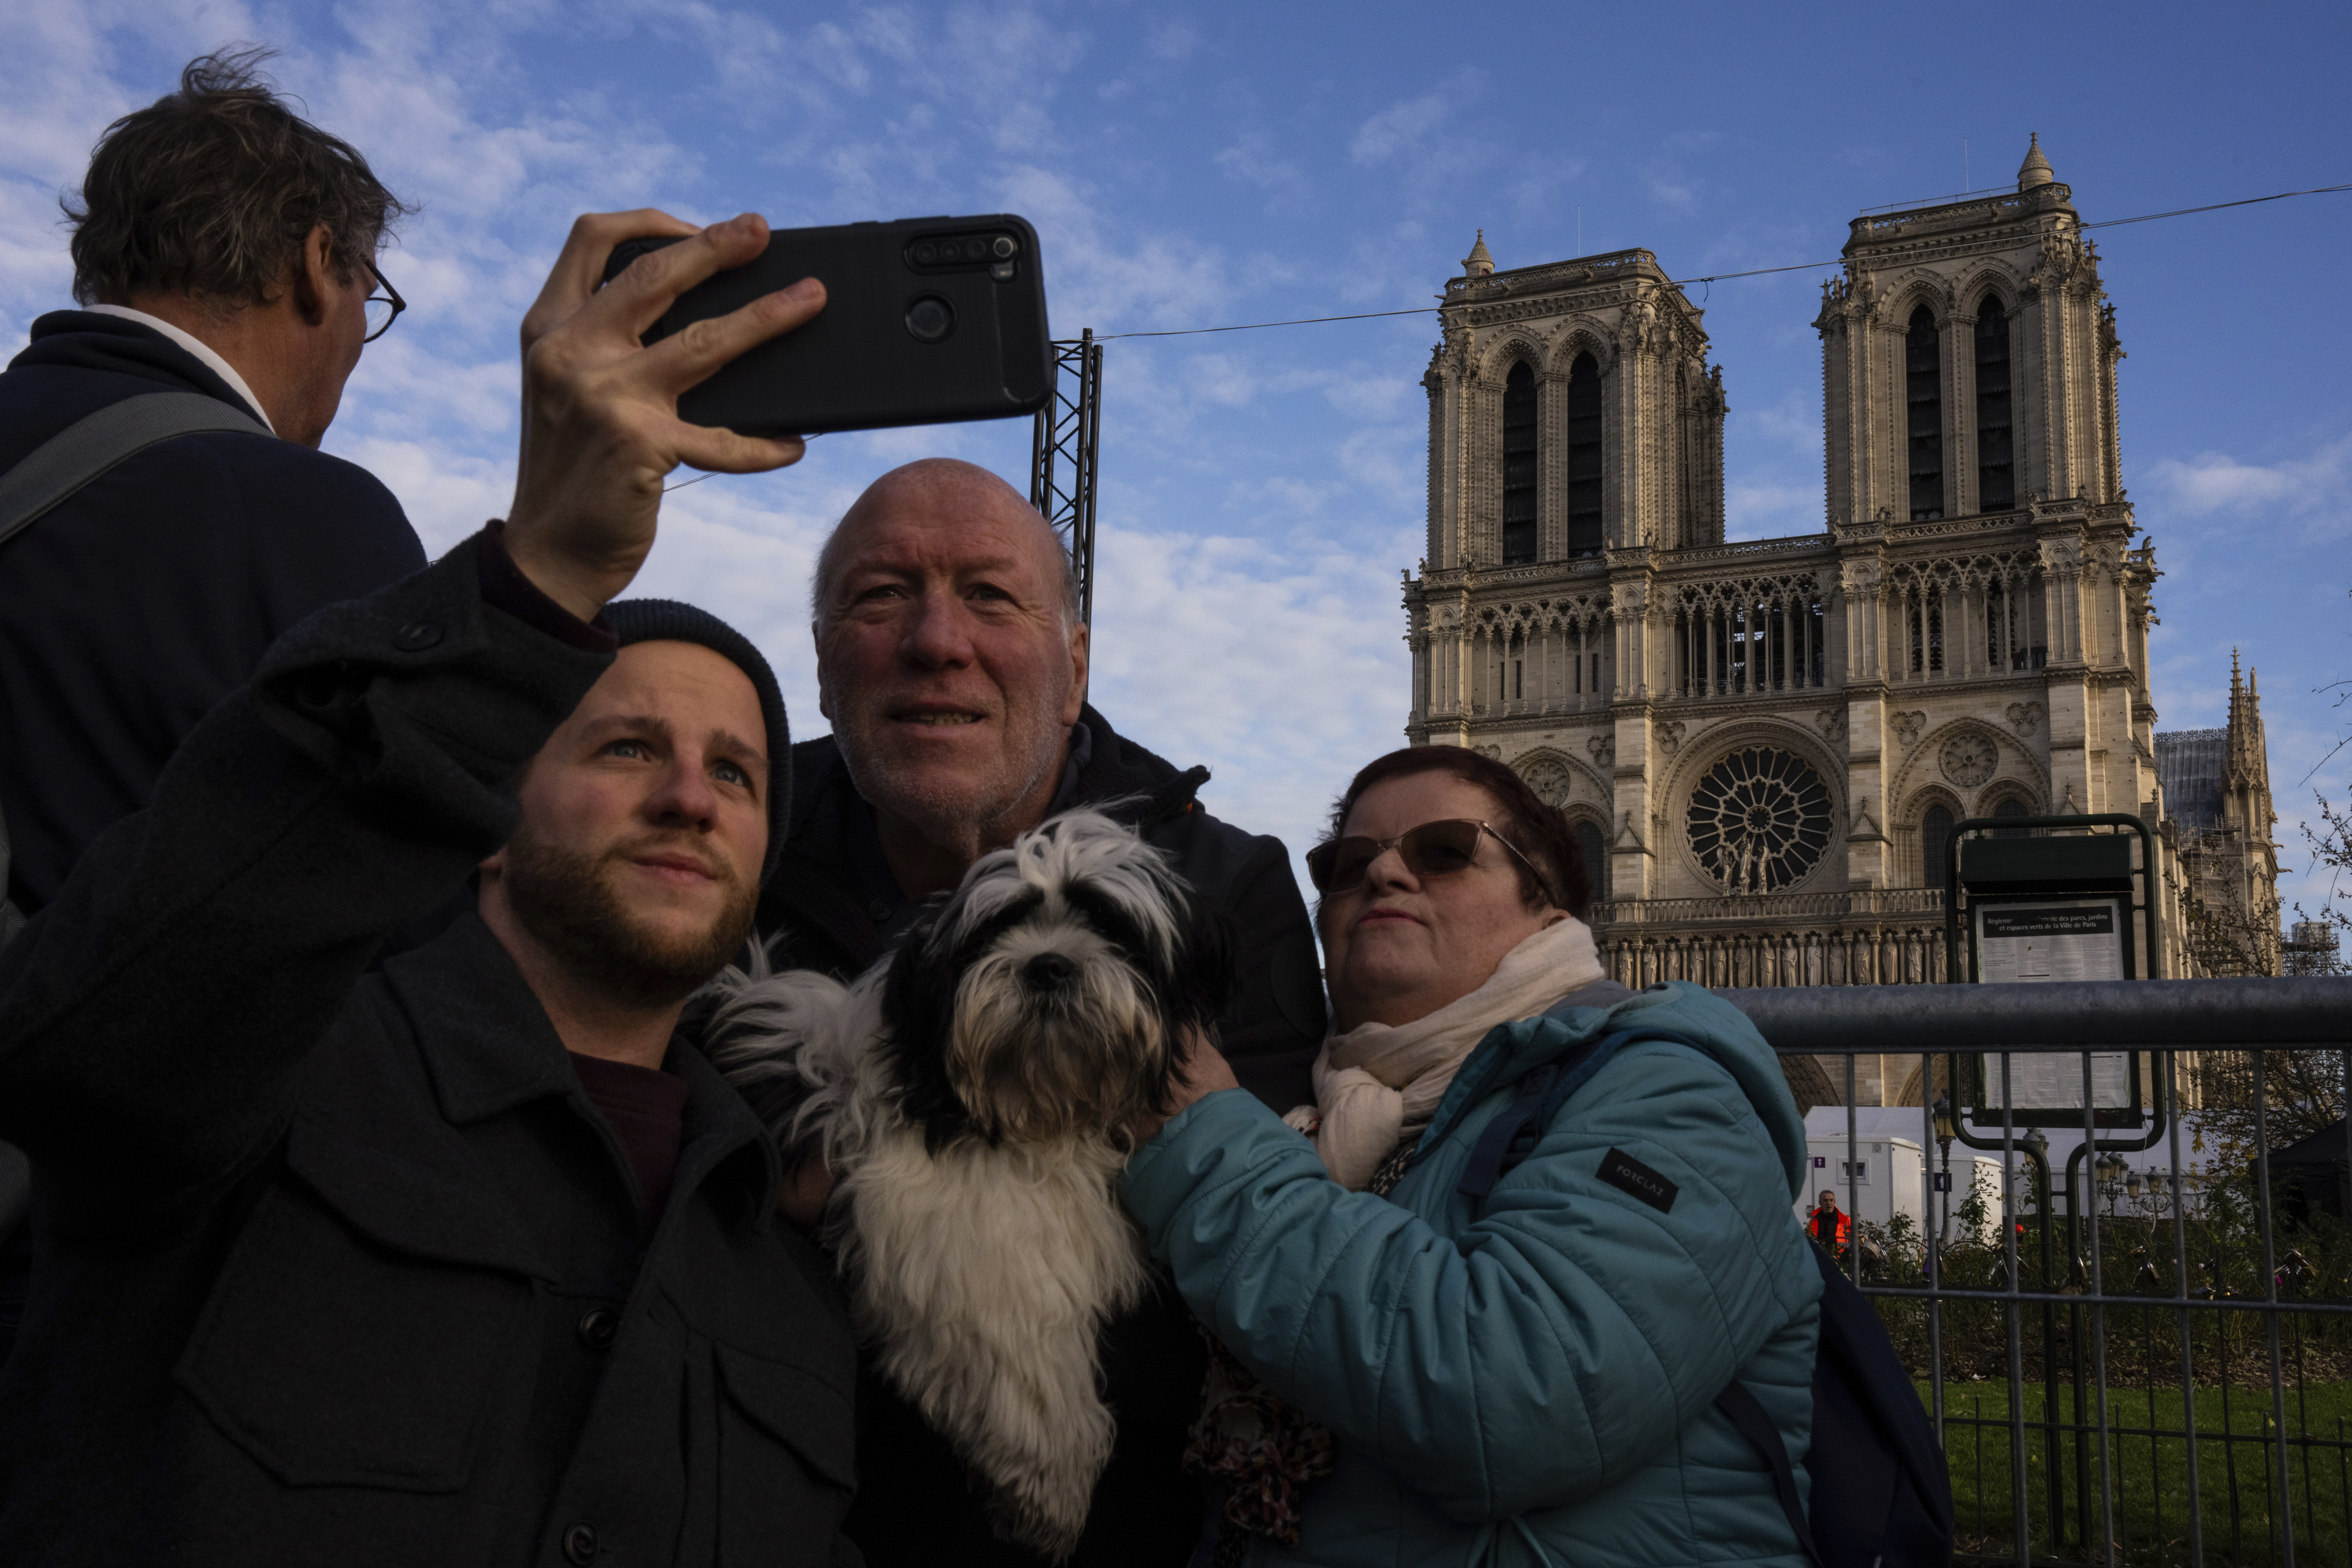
2234,729
1480,261
2035,170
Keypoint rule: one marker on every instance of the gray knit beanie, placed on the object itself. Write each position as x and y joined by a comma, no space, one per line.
667,621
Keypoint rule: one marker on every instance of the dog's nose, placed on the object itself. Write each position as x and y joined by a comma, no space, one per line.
1047,972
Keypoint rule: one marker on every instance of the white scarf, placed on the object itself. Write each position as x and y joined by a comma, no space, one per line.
1379,1082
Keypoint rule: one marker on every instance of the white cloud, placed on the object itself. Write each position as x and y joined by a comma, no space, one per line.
1283,669
1149,280
2313,486
1760,509
1399,128
1251,159
1790,424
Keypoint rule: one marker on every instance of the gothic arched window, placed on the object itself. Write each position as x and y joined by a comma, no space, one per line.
1596,860
1996,471
1584,532
2012,807
1935,833
1923,390
1519,465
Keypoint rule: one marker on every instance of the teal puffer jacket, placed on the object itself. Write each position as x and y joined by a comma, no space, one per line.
1528,1379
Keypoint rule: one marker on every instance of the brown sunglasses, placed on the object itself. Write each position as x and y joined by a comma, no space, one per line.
1432,849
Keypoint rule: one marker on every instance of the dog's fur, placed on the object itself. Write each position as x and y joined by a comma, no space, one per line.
970,1093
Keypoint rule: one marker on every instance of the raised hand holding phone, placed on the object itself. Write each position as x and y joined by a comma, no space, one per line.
600,424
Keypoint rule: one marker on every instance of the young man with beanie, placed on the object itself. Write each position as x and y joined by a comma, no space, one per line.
471,1257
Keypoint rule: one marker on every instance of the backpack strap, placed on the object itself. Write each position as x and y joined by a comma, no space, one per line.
1515,1130
1486,1158
1495,1152
1745,1411
90,445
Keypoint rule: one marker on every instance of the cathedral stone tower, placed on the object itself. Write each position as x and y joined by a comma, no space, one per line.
2218,822
1764,746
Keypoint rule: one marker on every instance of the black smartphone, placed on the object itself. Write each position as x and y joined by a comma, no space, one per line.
925,321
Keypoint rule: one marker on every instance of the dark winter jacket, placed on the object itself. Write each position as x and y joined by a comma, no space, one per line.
135,605
917,1505
822,914
342,1268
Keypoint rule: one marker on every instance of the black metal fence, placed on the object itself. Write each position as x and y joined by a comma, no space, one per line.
2168,1381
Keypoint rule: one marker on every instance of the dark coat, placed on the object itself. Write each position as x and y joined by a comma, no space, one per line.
817,914
342,1266
917,1504
131,608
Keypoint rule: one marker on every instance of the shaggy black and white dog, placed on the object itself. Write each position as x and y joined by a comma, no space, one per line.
970,1095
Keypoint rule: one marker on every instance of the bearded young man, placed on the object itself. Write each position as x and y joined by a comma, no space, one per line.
474,1258
952,661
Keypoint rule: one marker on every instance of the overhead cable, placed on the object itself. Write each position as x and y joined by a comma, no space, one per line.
1710,279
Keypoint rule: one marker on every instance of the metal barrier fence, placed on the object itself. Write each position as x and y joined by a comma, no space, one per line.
2175,1383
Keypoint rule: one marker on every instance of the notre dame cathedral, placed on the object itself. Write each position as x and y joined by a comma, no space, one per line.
1764,746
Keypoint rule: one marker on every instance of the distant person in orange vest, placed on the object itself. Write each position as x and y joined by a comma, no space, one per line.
1830,1226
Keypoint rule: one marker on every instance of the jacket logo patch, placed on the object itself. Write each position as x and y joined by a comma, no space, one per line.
1624,1172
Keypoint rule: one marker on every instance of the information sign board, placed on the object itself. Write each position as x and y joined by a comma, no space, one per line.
2064,939
2022,942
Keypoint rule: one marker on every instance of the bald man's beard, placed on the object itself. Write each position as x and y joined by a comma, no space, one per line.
572,905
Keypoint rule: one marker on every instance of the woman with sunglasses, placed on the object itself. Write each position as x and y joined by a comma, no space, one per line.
1483,1310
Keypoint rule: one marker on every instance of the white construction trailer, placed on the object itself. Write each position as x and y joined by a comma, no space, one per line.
1887,1171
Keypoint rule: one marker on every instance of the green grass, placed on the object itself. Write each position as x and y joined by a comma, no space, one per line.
2150,1473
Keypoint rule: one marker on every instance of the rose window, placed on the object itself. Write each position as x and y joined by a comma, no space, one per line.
1760,821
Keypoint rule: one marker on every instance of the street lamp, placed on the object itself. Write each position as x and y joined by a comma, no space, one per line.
1944,1130
2109,1169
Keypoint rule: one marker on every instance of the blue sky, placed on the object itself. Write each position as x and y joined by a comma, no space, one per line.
1196,166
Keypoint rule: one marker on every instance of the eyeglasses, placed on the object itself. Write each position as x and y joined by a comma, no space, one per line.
383,309
1434,849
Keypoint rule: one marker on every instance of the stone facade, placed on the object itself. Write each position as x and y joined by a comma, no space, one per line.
1761,742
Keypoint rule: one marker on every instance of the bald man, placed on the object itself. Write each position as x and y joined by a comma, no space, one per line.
951,661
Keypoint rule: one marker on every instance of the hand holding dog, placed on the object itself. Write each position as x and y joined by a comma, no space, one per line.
1206,1071
600,426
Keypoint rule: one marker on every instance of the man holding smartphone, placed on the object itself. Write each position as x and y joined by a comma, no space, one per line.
472,1258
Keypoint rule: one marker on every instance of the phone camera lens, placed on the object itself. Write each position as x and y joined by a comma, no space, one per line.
929,319
1004,245
927,252
975,250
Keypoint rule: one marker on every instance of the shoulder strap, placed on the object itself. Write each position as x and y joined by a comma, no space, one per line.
1745,1411
1512,1135
90,446
1488,1158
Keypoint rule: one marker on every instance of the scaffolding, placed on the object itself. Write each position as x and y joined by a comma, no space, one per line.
1062,461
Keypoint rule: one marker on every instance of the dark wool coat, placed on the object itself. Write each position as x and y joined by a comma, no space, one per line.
139,602
344,1268
917,1504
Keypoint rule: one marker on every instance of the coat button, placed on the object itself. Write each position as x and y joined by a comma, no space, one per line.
878,910
579,1543
599,1326
418,637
